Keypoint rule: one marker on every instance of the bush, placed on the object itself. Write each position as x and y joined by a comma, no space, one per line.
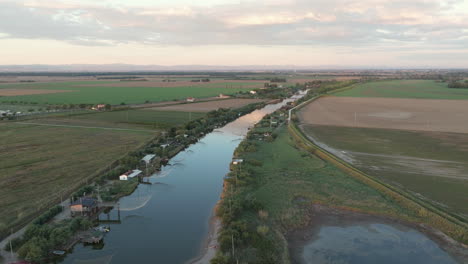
255,162
47,216
34,250
263,230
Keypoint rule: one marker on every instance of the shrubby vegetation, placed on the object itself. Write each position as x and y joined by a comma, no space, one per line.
47,216
39,240
458,85
41,237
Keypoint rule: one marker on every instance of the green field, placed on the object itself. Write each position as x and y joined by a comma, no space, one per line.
406,89
39,163
125,119
433,164
288,173
96,94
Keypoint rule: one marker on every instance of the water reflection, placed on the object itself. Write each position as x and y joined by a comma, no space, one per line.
167,220
372,243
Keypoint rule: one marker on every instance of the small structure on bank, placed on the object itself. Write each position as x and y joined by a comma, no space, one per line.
129,174
148,158
237,161
190,100
99,107
149,161
84,206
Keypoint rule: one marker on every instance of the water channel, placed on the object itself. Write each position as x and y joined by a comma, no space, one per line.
167,220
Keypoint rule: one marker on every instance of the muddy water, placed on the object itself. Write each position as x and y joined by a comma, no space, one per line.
373,243
338,241
166,220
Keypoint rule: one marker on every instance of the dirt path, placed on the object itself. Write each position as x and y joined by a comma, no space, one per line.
6,256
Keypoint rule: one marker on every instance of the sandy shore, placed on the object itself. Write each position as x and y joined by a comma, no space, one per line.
210,247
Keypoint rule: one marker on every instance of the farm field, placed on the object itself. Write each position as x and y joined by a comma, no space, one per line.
432,164
208,106
392,113
406,89
39,163
18,92
124,119
115,92
420,145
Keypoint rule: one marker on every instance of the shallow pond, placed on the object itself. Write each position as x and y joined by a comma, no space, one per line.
372,243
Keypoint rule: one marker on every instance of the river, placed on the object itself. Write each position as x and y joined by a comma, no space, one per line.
167,220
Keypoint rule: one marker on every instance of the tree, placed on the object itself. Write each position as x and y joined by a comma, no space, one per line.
34,250
60,236
108,107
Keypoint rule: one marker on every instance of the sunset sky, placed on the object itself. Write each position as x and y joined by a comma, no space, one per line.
370,33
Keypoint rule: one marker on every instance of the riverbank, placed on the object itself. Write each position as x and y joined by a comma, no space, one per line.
177,140
192,181
326,216
211,244
267,195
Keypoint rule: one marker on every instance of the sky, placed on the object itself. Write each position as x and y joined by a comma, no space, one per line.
345,33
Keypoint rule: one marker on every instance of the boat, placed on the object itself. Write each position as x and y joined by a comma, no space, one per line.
58,252
102,229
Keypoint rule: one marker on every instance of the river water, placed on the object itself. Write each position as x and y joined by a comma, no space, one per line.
167,220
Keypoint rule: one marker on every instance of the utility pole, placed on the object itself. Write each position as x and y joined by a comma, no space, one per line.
232,242
11,247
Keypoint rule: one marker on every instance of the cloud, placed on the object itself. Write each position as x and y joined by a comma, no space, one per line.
345,23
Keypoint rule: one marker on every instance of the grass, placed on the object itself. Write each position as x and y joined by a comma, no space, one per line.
39,163
287,181
406,89
95,94
422,162
288,173
131,119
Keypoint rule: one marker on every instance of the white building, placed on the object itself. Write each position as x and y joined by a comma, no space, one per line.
129,175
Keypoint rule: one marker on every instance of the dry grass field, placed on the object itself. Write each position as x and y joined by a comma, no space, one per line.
208,106
392,113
